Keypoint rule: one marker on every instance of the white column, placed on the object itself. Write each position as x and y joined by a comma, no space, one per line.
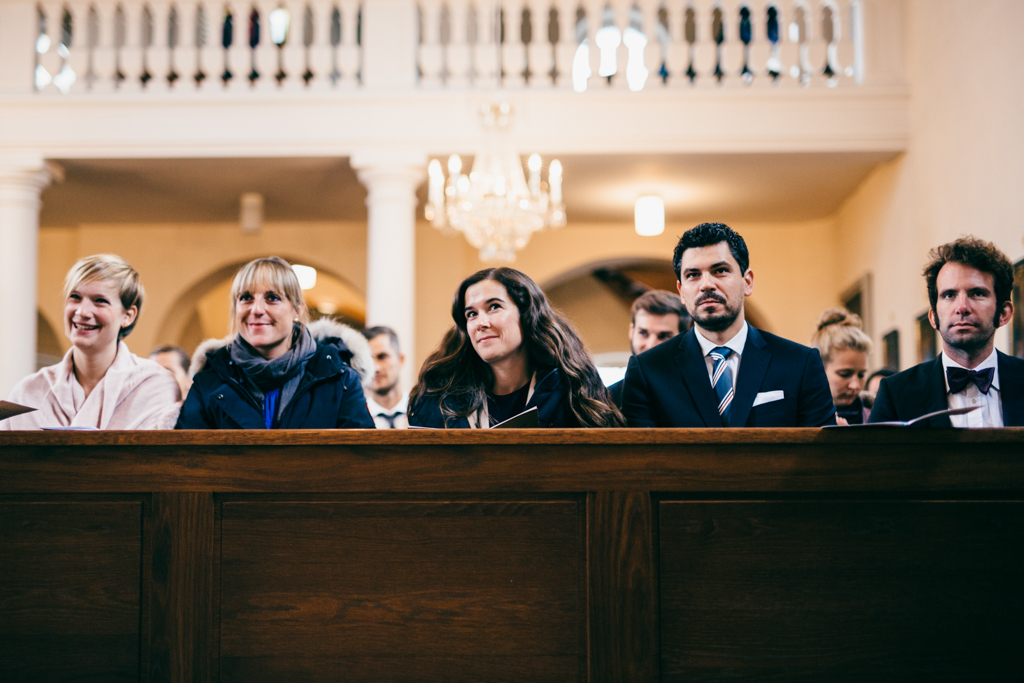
22,178
391,179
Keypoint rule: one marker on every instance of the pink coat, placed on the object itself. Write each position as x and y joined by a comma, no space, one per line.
136,393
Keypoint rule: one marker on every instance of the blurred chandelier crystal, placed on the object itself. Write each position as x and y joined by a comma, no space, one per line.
494,206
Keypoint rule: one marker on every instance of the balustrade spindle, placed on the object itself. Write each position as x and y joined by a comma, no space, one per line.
620,8
485,51
565,48
653,50
457,52
789,49
130,53
760,46
72,33
677,59
321,54
51,59
431,51
200,62
705,51
292,52
264,55
157,53
816,43
731,46
539,55
594,13
844,45
99,73
349,52
513,51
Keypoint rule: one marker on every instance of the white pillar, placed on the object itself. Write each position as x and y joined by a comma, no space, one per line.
391,178
22,178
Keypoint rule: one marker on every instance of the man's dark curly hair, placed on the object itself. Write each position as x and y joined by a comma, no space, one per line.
707,234
978,254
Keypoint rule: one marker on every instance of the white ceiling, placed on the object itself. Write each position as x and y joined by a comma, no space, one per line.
597,188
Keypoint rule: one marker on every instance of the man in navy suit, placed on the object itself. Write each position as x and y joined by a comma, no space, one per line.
723,372
969,287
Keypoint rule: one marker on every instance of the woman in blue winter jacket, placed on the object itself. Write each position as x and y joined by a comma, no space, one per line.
275,371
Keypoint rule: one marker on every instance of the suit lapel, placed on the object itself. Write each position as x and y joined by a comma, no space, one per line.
935,391
753,366
1011,390
695,376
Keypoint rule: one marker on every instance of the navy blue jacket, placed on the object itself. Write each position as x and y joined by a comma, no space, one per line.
549,396
669,386
329,396
922,390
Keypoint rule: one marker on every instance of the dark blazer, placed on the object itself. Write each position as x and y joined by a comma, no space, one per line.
549,397
922,390
668,386
615,391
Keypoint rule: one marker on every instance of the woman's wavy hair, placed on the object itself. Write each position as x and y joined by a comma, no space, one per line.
461,378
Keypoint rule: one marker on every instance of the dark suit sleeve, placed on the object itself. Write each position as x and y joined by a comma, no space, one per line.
816,408
883,409
353,412
636,397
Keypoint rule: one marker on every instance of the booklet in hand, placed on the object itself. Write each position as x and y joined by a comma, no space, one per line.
524,420
908,423
8,409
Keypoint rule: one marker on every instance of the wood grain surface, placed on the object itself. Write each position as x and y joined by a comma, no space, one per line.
456,590
532,555
69,590
842,591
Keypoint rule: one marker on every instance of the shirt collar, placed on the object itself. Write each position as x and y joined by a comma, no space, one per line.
991,362
736,343
377,409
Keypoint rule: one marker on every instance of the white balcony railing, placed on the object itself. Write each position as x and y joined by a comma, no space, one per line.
103,46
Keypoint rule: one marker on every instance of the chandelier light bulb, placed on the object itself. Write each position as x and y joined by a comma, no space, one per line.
534,163
454,165
649,216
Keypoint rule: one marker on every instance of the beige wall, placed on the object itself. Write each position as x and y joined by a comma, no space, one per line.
964,170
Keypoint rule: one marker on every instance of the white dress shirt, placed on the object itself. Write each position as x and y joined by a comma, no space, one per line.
733,361
400,413
991,412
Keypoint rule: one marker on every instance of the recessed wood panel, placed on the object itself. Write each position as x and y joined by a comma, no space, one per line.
424,591
69,591
842,591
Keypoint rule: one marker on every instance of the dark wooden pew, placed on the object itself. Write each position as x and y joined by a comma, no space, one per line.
618,555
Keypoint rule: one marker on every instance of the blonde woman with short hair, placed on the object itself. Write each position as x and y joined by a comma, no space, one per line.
100,384
844,349
276,371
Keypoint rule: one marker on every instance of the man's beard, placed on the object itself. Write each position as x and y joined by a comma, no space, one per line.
384,390
969,342
717,322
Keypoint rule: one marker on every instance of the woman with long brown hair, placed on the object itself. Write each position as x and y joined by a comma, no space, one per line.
507,352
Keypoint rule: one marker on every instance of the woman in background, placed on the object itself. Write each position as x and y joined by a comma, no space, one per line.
844,349
508,352
100,384
275,371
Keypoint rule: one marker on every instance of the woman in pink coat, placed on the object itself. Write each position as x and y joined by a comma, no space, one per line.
100,384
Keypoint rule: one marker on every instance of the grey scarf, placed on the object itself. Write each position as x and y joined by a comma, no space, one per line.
284,371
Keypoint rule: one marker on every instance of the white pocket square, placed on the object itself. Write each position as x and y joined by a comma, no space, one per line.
768,397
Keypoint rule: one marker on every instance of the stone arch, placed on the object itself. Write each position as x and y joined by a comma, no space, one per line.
176,325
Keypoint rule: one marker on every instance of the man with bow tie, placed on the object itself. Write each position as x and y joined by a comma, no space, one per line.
969,289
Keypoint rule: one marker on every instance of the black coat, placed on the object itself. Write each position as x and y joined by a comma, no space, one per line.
669,386
329,396
549,397
922,390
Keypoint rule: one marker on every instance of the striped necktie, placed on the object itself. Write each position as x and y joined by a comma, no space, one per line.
721,380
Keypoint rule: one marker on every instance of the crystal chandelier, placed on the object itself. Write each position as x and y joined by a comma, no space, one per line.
494,206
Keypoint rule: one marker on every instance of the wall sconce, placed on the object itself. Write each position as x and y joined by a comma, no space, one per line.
649,216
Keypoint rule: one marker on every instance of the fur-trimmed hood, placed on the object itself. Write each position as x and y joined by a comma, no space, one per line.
323,331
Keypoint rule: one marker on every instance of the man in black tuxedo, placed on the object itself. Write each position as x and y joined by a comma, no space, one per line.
657,316
969,287
723,372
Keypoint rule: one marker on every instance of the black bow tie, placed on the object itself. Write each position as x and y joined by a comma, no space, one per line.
959,377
